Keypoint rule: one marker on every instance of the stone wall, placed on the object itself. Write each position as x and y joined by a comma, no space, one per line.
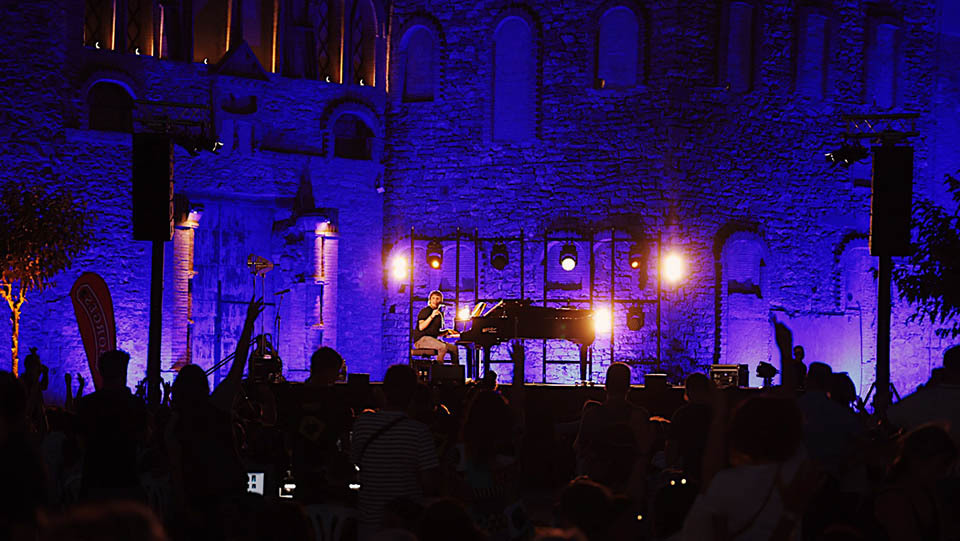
718,152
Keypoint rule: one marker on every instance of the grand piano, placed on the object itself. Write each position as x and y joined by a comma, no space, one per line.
515,319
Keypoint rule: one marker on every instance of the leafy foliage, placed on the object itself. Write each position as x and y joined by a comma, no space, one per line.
43,231
931,281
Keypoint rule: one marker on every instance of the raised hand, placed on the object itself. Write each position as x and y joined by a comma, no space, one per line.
254,309
68,379
81,383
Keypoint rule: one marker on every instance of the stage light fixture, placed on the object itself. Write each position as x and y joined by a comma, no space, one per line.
464,313
637,253
602,320
673,267
635,318
434,254
847,154
498,256
399,267
568,257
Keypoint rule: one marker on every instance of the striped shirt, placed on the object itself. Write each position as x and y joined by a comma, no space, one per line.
391,463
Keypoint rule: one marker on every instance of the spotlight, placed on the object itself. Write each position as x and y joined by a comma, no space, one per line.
767,372
602,320
637,253
847,154
634,318
464,313
434,254
673,267
399,267
568,257
498,256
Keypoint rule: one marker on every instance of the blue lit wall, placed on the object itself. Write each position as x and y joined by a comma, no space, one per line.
578,118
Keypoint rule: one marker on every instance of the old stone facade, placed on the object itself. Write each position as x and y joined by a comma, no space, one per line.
607,126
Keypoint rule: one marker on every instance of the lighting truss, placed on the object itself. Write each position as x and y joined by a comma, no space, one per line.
190,125
881,127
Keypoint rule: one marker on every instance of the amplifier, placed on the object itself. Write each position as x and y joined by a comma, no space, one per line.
730,375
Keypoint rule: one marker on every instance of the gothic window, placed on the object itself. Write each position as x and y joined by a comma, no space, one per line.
210,32
739,46
419,59
514,81
259,24
111,107
98,24
352,138
307,47
139,36
363,43
881,59
811,53
618,49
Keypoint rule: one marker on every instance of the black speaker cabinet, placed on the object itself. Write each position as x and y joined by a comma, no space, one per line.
152,187
892,201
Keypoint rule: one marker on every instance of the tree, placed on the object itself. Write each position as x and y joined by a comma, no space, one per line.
931,281
43,230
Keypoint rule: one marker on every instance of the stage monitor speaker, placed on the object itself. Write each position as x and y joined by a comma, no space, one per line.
655,382
152,187
891,204
447,373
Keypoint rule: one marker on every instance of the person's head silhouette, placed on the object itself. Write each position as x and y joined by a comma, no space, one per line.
113,368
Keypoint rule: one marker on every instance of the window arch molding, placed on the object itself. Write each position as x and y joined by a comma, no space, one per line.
361,111
110,77
643,40
429,23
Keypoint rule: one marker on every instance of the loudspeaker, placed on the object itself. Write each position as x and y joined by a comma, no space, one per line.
891,204
447,373
152,187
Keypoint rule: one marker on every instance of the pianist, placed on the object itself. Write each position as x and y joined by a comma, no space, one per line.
430,328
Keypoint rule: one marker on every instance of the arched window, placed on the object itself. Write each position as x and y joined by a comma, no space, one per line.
140,31
111,107
419,59
739,46
210,32
811,53
98,24
746,313
352,138
308,42
363,43
618,49
881,63
514,81
259,31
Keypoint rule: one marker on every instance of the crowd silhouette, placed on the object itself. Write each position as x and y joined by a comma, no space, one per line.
261,459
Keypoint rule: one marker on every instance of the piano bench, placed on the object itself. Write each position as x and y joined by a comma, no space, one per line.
420,360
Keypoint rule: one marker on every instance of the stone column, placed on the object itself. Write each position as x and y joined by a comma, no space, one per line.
182,306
